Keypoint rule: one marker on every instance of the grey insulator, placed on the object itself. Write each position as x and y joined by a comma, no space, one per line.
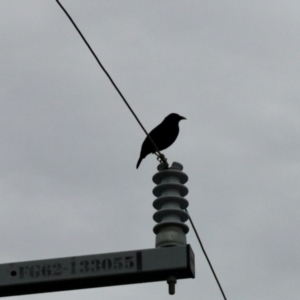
170,204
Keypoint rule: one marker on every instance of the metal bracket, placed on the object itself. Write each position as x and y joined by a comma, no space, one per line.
71,273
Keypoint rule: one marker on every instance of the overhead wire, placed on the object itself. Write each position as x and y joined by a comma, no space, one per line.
160,156
206,256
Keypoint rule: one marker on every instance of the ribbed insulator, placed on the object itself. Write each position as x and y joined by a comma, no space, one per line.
170,205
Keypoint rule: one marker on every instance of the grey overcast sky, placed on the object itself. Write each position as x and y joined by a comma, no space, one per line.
69,145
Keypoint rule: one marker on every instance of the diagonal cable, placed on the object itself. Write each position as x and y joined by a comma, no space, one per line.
206,256
161,156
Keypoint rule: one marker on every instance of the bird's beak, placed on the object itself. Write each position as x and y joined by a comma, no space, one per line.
183,118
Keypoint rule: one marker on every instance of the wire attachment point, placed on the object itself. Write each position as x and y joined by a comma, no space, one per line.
162,159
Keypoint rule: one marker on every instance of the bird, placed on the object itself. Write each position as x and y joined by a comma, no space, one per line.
163,135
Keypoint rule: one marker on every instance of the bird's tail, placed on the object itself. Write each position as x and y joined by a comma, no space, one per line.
139,162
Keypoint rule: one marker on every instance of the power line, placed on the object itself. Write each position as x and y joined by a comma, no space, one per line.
206,256
160,156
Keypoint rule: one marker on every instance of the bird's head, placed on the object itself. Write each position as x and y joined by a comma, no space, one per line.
175,117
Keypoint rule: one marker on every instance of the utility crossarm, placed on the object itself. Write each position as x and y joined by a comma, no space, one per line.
71,273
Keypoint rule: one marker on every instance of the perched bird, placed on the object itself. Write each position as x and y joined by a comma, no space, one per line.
163,135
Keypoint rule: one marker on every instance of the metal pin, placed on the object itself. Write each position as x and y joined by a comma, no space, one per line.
171,282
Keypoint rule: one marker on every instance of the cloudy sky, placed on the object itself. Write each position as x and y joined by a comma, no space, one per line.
69,145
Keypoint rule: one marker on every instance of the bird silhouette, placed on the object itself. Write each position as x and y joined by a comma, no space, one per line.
163,135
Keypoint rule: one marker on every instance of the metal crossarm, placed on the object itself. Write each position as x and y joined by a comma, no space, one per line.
71,273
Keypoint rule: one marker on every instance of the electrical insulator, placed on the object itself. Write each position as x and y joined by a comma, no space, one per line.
170,205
